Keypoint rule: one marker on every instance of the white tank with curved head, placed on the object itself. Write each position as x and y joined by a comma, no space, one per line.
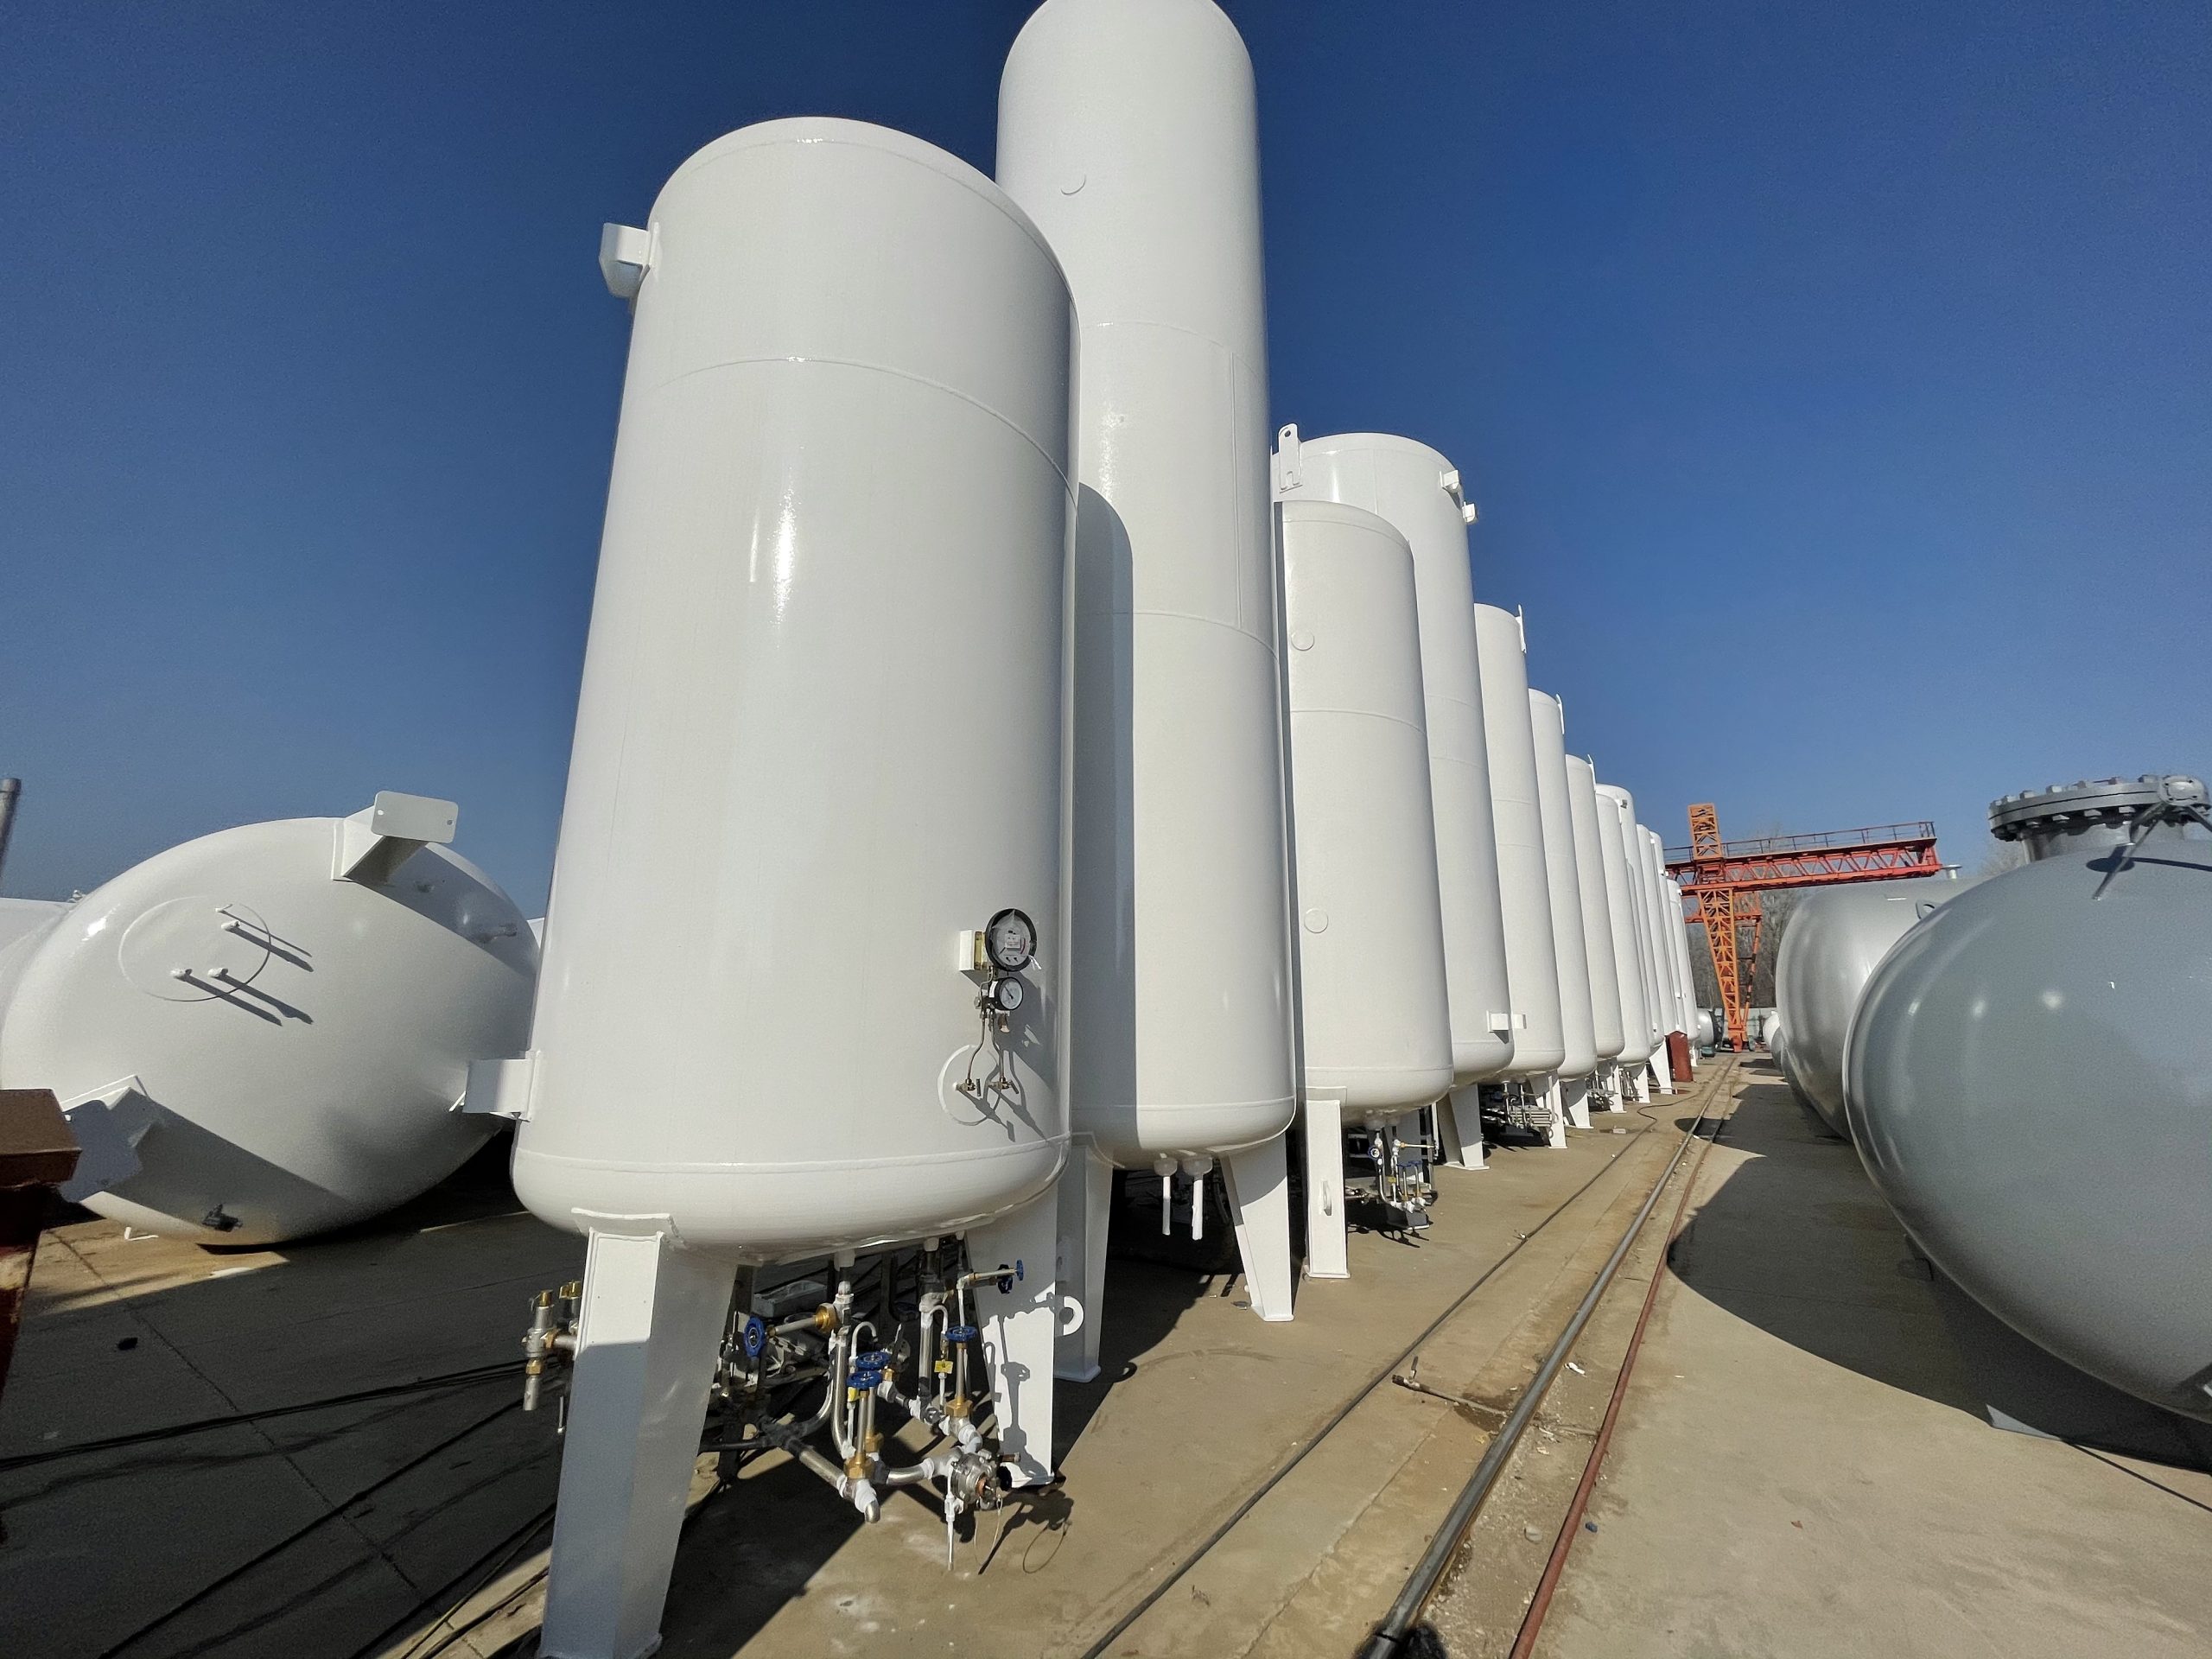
1678,937
1606,1031
1524,887
1128,130
1835,939
1376,1021
1563,877
1656,909
1417,491
265,1032
1621,911
1639,884
1666,905
1704,1033
819,738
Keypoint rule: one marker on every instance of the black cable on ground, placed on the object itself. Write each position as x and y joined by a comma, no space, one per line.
1098,1647
144,1437
331,1513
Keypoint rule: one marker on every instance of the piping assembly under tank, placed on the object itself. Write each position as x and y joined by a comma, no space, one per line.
2028,1079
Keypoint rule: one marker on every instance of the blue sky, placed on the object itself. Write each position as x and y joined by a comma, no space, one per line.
1835,382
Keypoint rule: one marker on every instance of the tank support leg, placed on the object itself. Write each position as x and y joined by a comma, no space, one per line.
1642,1085
1576,1093
1258,1183
1460,1118
1326,1252
650,1326
1086,1197
1661,1072
1020,1330
1556,1098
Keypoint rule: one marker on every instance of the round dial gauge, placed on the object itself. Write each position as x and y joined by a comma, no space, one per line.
1006,995
1010,941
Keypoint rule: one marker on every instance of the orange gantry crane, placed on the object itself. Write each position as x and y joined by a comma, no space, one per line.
1722,882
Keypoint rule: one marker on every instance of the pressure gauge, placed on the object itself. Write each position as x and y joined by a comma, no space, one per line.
1005,995
1010,941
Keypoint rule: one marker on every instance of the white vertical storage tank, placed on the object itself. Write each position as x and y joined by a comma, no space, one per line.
1607,1031
1644,1015
1128,130
1663,1010
1666,918
1548,724
1375,1017
1524,888
1685,980
1418,492
819,739
1628,961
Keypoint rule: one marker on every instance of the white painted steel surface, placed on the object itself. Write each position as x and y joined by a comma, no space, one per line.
1836,937
1644,1010
1417,491
820,730
1376,1022
1666,925
1607,1031
239,1033
1128,130
23,924
1621,911
1563,876
1678,931
1524,889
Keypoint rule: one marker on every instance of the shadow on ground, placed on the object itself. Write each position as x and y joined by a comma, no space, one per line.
1796,1241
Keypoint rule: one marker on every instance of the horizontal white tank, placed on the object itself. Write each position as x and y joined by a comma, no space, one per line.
1606,1030
23,923
1524,888
1418,492
1376,1022
1548,724
264,1032
1129,133
1621,912
819,736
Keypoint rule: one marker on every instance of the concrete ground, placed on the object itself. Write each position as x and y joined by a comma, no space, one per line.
1801,1467
327,1533
337,1524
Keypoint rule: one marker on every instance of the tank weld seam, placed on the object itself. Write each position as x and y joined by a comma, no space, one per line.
1364,714
1059,470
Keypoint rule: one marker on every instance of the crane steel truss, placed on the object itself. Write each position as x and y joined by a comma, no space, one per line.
1722,882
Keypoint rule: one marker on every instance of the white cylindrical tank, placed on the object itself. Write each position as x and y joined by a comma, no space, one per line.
1678,937
1417,491
1563,876
264,1032
1606,1029
1639,879
1835,939
1375,1020
1621,911
819,738
23,923
1663,927
1128,130
1524,887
